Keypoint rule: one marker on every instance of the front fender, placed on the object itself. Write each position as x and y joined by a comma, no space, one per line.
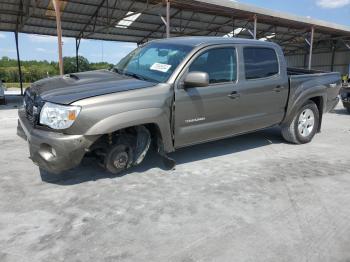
133,118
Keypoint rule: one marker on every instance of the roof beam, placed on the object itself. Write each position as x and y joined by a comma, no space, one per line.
143,11
158,28
90,32
114,22
80,35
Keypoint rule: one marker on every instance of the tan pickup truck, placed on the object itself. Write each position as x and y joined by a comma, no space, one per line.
172,93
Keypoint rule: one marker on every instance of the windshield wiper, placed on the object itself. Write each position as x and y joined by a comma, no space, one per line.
140,77
117,70
134,75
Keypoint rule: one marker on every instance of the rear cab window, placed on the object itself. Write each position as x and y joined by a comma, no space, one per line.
260,62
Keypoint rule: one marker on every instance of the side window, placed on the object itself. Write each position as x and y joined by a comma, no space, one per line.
220,64
260,62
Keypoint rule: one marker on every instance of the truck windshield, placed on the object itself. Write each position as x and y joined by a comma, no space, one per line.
153,62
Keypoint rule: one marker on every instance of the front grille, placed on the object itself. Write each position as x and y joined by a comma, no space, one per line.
32,104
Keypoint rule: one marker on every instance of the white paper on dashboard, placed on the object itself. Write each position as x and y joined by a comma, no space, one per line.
160,67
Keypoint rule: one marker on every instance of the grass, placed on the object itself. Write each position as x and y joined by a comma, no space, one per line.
16,85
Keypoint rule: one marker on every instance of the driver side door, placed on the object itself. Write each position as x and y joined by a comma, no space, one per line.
205,113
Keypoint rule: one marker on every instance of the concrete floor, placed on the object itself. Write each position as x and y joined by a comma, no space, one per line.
249,198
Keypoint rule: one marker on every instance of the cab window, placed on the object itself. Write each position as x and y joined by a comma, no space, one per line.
260,62
219,63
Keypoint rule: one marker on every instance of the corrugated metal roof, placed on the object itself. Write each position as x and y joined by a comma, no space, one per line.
97,19
271,15
211,40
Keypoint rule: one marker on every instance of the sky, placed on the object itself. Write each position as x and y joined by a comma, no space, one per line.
36,47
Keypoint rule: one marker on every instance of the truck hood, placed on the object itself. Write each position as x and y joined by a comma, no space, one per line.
73,87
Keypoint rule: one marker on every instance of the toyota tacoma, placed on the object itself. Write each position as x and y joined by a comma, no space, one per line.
172,93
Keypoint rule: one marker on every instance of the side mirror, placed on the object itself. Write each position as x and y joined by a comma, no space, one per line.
196,79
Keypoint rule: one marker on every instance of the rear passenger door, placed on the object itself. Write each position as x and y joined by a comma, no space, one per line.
263,91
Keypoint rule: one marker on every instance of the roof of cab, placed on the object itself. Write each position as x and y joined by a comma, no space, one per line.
211,40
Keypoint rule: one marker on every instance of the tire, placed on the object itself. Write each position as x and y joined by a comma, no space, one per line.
301,129
118,158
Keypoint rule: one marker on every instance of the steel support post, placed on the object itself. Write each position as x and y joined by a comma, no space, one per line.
233,28
333,57
167,18
305,59
19,63
77,44
57,6
255,25
311,46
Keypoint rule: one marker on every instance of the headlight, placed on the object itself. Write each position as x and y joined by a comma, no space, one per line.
58,116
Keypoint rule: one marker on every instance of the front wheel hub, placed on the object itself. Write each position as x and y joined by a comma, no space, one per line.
121,160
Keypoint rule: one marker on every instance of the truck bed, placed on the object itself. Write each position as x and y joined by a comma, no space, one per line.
302,71
313,80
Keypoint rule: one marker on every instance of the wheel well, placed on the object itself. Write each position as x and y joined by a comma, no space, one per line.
130,132
156,136
318,100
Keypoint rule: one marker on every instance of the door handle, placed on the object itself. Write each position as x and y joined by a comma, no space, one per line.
234,95
278,89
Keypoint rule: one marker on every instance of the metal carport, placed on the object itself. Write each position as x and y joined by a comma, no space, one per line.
140,21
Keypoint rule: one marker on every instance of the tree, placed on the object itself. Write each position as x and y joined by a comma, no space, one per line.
100,65
70,64
34,70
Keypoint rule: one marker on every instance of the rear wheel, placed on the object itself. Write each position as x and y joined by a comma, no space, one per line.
304,125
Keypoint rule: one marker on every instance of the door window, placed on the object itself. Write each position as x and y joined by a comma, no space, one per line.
260,62
219,63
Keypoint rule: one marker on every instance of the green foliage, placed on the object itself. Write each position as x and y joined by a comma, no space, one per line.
70,64
16,85
100,65
34,70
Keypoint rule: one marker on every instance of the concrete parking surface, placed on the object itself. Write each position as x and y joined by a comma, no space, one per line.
249,198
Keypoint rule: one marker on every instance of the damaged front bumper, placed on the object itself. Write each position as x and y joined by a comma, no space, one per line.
52,151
